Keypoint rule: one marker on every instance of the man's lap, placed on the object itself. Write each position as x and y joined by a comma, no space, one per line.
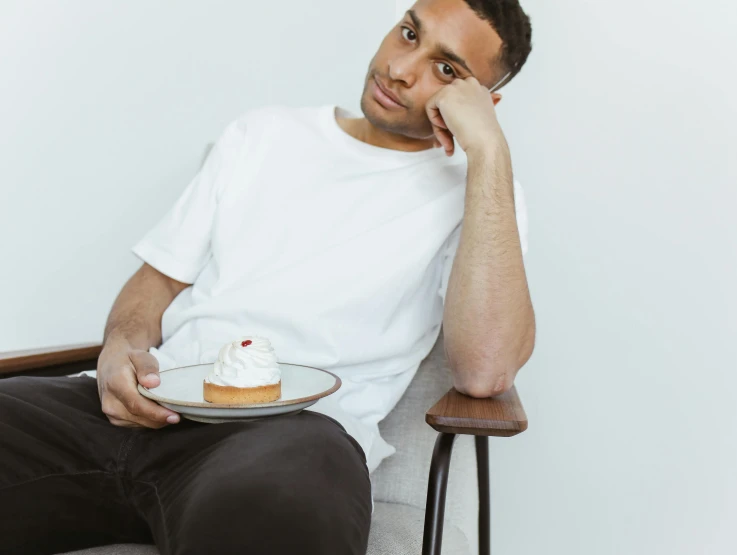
191,481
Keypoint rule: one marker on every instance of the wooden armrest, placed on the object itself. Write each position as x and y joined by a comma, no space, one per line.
456,413
64,358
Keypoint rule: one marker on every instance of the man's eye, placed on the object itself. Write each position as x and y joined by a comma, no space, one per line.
445,69
409,34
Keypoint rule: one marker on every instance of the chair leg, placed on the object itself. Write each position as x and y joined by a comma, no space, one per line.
482,465
435,509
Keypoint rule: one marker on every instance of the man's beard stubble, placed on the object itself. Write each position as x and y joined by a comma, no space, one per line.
408,123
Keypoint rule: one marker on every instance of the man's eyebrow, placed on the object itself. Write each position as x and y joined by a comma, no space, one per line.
453,57
415,20
444,50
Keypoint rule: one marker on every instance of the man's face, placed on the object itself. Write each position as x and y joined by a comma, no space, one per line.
436,42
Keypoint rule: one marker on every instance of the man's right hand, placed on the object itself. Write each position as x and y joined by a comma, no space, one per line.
120,369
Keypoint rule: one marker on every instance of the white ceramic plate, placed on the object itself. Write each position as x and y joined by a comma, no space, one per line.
181,390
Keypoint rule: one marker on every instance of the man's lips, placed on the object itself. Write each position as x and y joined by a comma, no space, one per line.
385,96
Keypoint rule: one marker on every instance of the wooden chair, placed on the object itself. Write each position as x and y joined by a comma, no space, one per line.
413,487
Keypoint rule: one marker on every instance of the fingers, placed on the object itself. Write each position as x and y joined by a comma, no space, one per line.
123,423
122,401
146,367
144,410
445,138
118,415
433,113
439,127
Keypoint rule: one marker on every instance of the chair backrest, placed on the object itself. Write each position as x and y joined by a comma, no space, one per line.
403,477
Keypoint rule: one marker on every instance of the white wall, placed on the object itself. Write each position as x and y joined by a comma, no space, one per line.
622,129
622,132
106,108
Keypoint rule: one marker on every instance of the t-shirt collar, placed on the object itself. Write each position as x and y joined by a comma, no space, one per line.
329,114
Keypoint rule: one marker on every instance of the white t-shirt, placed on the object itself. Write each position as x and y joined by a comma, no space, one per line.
336,250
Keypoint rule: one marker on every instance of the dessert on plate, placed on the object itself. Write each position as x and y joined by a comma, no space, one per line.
246,371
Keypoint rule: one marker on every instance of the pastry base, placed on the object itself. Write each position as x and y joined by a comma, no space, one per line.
231,395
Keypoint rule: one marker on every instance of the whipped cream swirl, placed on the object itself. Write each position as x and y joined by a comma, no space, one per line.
248,362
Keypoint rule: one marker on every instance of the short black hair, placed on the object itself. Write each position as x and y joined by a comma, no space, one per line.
513,26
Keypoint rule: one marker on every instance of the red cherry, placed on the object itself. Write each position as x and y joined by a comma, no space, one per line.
246,343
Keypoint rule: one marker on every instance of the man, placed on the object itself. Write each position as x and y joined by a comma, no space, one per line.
332,236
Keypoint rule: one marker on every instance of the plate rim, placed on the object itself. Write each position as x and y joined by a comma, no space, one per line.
154,397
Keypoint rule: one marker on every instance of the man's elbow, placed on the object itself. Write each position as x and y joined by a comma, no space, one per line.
481,390
494,383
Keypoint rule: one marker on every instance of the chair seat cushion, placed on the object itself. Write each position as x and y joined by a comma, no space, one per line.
395,530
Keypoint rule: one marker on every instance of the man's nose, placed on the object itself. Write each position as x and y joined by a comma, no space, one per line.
403,68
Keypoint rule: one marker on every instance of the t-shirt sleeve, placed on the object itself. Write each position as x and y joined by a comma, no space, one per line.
179,245
448,255
451,244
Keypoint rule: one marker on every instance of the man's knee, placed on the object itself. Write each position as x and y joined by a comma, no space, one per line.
276,515
301,488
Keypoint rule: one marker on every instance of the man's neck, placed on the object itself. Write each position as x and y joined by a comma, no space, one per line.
363,130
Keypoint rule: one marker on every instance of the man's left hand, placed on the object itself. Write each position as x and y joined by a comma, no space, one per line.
465,110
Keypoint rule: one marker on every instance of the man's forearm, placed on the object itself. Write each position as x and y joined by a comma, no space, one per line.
488,320
134,326
136,314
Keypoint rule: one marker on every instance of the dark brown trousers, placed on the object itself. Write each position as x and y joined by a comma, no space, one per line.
69,479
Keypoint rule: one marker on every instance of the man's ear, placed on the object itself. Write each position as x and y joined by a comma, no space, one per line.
496,98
